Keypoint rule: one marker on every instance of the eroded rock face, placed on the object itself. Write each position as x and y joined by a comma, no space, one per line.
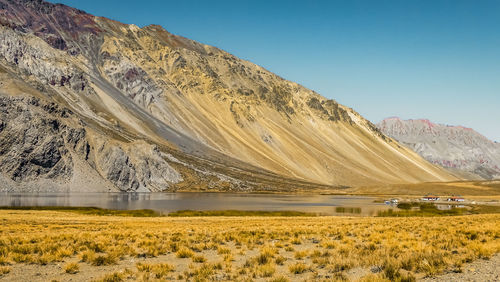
133,81
153,171
38,140
27,57
116,167
145,170
33,141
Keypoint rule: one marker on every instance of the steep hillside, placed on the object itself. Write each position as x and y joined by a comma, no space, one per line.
452,147
144,87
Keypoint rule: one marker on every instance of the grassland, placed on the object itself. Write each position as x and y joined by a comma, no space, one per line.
190,213
413,209
90,211
152,213
470,189
68,245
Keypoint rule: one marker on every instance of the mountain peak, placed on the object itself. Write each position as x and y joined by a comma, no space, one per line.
455,147
391,118
56,24
426,122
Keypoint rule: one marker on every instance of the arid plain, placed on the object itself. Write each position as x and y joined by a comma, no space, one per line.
63,246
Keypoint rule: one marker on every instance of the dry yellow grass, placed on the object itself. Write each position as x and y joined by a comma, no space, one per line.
247,248
71,268
4,270
478,190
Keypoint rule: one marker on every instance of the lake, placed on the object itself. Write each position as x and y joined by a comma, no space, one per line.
168,202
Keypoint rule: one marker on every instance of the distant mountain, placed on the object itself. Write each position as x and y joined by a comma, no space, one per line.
91,103
452,147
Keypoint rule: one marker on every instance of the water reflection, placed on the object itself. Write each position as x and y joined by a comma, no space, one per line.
449,207
348,210
167,202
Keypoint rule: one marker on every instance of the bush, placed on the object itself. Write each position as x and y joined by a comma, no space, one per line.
266,270
162,270
4,270
280,260
280,279
71,268
184,253
298,268
112,277
223,251
107,259
199,259
300,254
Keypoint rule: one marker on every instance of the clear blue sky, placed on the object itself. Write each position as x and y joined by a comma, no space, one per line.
435,59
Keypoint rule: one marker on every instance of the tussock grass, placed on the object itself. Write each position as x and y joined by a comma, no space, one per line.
154,271
253,248
228,257
280,278
71,268
280,260
199,258
4,270
204,272
223,250
112,277
266,255
298,268
300,254
103,259
266,270
184,253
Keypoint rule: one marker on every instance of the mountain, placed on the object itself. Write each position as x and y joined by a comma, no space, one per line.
454,147
88,103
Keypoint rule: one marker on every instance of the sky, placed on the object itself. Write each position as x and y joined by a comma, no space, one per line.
433,59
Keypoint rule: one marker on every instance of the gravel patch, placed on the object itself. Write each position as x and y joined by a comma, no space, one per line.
480,270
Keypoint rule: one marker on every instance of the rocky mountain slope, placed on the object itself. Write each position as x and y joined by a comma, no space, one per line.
146,110
452,147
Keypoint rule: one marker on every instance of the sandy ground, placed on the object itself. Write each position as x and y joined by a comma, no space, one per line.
480,271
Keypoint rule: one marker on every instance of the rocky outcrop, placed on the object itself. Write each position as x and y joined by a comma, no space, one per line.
452,147
39,140
62,27
142,168
33,141
132,80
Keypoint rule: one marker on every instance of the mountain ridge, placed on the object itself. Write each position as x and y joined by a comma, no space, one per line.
453,147
203,103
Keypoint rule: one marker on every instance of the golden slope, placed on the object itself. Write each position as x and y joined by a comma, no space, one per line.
248,113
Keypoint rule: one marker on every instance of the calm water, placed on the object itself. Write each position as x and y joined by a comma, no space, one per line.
167,202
